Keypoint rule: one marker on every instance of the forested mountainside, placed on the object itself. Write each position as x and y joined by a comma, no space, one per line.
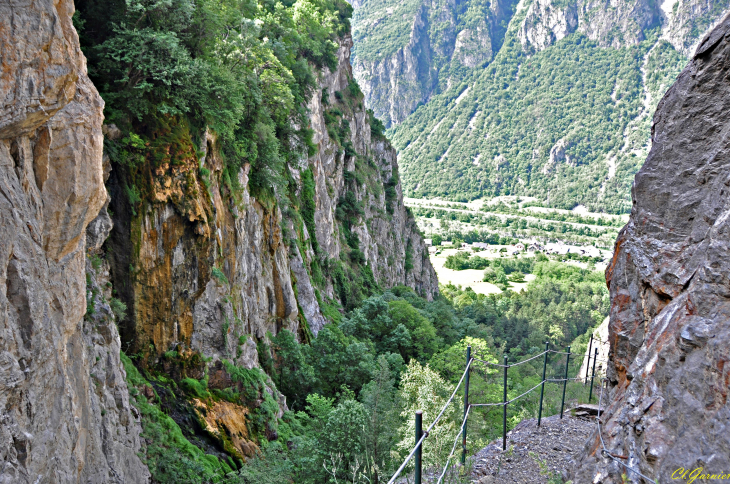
248,301
561,110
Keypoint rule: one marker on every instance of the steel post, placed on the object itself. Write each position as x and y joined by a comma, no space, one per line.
542,387
504,408
565,381
590,393
466,404
419,451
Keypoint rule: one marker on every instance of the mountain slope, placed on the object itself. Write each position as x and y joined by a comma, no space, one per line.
404,52
561,113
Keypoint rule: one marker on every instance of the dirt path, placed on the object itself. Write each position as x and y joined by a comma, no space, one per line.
533,453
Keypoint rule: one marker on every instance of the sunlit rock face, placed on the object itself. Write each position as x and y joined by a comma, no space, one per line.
206,271
64,407
669,284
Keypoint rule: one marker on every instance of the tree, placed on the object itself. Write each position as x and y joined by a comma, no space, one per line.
423,389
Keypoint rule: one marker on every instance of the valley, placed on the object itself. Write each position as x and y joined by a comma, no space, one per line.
558,105
267,241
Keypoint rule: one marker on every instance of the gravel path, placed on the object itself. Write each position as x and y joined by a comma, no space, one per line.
554,444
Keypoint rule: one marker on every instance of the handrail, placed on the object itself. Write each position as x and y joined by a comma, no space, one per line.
453,448
510,365
468,406
428,430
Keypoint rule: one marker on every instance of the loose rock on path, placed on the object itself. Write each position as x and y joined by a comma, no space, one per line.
534,455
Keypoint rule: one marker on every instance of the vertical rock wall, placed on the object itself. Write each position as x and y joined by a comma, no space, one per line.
207,270
64,409
670,290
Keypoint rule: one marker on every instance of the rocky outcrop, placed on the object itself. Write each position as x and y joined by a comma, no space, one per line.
387,231
669,329
446,39
203,268
618,24
64,405
394,86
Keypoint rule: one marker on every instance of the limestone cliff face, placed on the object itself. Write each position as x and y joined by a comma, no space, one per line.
446,38
208,270
670,319
618,24
387,231
64,404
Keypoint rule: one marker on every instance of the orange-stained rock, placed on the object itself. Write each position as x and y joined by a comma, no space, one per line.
227,422
670,290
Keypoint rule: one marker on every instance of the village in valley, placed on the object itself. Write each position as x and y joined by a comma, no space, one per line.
510,228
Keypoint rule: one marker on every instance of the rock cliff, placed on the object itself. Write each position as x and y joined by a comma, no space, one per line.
406,54
669,326
215,272
64,404
192,273
623,23
434,46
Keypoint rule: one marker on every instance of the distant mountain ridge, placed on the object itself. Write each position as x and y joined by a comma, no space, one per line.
556,105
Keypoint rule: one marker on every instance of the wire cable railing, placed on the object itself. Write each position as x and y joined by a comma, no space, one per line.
514,364
421,437
419,443
603,446
453,448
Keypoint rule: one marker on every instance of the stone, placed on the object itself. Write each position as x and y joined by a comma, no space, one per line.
175,293
669,324
64,405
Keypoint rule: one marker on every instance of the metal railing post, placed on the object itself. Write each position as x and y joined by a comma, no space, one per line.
588,365
593,375
419,451
565,382
504,408
542,388
466,404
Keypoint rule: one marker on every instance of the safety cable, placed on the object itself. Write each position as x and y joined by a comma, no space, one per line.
428,430
453,448
605,451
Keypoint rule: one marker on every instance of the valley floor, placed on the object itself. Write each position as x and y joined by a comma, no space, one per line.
518,217
472,277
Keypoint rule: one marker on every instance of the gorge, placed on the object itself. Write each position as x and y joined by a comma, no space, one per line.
208,272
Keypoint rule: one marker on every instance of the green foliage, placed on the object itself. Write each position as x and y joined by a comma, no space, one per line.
292,372
219,275
134,197
307,207
169,456
243,68
559,305
118,308
390,193
196,388
377,128
408,262
253,384
423,389
574,94
355,396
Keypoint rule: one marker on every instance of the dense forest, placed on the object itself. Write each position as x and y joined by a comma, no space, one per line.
353,390
564,125
244,70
